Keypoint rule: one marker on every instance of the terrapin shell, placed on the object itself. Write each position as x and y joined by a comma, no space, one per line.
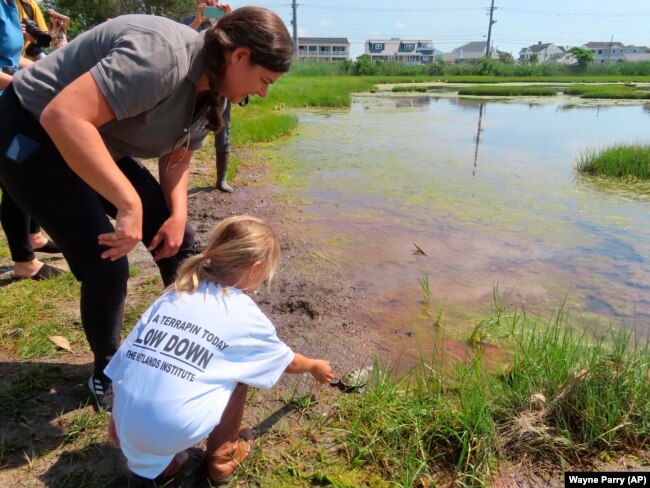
356,378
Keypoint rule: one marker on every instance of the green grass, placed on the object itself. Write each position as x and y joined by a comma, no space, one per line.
251,128
628,161
467,420
19,396
615,92
543,79
300,92
509,91
484,67
30,311
410,88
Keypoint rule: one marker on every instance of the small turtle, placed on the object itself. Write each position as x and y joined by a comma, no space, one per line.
354,380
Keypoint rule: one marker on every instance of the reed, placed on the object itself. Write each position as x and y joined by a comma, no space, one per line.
561,399
259,127
630,161
509,91
608,91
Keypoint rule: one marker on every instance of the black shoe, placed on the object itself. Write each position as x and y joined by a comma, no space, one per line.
102,391
50,247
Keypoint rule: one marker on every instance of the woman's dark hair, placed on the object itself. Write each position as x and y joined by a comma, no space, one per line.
259,30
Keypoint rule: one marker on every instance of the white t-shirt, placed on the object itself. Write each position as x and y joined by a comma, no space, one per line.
176,370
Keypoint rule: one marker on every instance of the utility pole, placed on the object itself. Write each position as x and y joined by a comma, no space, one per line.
294,22
609,51
489,34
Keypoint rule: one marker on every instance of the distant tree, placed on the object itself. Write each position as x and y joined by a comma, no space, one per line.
488,66
437,67
534,58
506,58
364,66
583,56
85,14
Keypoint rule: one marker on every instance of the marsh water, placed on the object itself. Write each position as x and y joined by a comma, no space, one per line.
489,192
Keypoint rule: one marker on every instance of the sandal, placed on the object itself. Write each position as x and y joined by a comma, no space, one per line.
50,247
44,273
222,466
180,459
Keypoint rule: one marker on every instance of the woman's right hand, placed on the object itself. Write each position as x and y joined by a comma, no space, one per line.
128,232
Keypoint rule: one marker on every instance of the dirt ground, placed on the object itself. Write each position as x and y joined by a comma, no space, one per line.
313,310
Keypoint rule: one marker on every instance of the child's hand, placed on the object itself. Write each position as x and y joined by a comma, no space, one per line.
322,371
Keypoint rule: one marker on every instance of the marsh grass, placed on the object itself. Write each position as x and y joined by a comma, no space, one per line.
509,91
466,420
543,79
302,92
614,92
252,128
426,290
627,161
411,88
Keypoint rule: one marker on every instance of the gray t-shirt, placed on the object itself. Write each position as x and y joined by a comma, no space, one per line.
147,67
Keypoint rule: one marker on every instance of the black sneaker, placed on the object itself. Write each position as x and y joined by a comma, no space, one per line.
102,391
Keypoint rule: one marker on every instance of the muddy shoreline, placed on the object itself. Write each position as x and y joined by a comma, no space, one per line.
313,309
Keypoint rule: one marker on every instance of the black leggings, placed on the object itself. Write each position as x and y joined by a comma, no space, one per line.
73,214
17,226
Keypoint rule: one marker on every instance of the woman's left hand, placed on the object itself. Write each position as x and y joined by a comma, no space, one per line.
168,239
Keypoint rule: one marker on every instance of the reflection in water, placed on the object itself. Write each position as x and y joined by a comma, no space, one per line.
415,102
526,223
477,139
575,106
466,103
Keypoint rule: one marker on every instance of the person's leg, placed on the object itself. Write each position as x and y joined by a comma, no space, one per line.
34,228
39,242
15,223
222,143
155,213
17,226
228,445
73,215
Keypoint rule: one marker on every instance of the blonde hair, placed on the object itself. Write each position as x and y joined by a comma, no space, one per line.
236,244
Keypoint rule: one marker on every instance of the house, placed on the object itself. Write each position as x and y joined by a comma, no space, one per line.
469,52
405,51
606,52
543,51
636,53
323,48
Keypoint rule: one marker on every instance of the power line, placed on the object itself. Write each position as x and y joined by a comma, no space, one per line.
578,14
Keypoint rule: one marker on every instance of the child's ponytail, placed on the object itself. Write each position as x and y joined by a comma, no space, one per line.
236,243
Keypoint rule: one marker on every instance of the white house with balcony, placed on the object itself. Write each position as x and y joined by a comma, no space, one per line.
544,52
404,51
323,48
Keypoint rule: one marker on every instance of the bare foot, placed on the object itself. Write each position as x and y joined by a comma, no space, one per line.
27,269
37,240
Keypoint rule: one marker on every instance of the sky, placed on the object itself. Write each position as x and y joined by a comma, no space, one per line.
451,24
